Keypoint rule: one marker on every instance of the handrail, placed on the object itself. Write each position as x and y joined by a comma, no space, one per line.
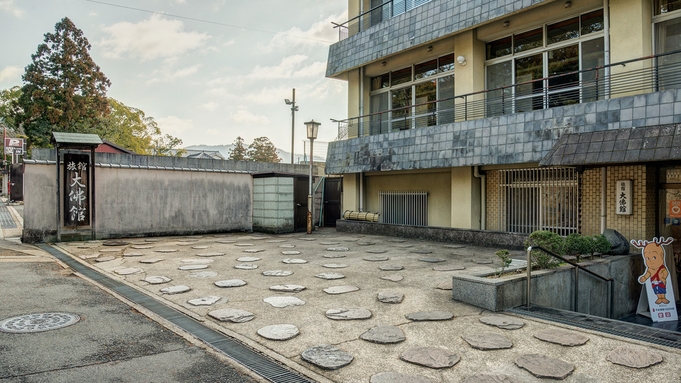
577,268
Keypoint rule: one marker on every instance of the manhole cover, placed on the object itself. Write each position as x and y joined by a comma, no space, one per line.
38,322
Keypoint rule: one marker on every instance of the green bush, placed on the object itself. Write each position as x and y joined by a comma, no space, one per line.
548,240
578,245
505,260
601,244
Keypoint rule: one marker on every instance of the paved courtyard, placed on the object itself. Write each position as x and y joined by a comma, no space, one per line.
358,308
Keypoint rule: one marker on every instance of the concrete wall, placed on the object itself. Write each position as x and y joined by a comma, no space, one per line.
273,204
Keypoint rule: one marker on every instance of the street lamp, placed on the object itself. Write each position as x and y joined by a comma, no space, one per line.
312,130
294,109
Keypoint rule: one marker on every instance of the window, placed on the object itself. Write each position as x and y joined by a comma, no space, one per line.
558,50
413,97
668,39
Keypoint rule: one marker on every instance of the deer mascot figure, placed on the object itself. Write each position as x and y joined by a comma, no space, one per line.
656,270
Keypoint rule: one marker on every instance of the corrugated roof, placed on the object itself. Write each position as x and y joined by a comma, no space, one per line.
76,139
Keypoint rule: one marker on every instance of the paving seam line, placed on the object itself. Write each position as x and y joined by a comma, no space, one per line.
16,217
64,258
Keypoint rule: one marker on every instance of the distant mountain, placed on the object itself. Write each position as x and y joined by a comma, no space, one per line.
284,155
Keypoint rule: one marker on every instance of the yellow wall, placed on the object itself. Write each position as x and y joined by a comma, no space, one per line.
630,30
350,200
353,99
465,213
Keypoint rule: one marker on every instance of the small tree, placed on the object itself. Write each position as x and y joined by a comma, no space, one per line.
505,260
166,146
601,244
577,245
239,152
548,240
263,150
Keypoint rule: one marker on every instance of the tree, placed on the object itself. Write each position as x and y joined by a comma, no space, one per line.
238,153
8,104
129,127
64,89
166,146
263,150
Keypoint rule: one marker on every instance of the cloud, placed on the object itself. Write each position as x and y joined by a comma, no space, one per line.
9,7
320,33
175,126
167,74
149,39
210,106
246,117
10,73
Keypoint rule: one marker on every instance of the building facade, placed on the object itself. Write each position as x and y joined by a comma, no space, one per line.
512,116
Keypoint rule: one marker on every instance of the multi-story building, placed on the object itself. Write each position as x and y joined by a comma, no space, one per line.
512,115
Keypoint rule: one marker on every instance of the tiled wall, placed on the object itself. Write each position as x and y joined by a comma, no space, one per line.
273,204
493,201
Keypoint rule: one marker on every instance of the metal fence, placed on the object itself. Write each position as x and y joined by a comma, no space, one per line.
404,207
385,11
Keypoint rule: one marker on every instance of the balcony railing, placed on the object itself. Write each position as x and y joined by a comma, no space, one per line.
637,76
375,15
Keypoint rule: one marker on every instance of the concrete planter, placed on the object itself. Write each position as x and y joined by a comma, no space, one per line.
555,288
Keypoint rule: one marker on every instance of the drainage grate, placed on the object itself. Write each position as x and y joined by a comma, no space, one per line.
38,322
607,326
258,363
6,220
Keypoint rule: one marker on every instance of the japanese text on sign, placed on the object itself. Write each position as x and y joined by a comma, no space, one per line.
76,201
623,197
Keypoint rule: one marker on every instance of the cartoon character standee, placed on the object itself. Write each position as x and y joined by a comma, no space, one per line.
656,270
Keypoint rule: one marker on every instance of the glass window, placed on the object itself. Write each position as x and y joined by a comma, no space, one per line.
445,93
664,6
562,61
564,30
401,102
380,82
446,63
528,69
592,22
593,81
401,76
668,39
498,101
528,40
426,69
378,122
499,48
425,93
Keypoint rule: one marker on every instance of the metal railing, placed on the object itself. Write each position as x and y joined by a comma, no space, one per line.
375,15
577,267
647,74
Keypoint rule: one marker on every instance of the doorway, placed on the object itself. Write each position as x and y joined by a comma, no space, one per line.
332,201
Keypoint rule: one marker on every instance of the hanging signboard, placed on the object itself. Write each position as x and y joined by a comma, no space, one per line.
657,280
76,189
623,198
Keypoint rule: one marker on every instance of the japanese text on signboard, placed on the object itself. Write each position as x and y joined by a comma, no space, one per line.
76,196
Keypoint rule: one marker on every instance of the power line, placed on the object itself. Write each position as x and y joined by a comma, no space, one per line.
207,21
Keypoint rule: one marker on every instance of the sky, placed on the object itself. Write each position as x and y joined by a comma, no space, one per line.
207,71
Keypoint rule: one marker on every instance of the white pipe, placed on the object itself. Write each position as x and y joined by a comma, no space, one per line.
483,197
603,198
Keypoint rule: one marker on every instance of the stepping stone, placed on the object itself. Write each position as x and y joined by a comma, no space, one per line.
105,259
188,240
246,266
486,378
327,357
115,243
421,251
337,249
445,285
291,252
421,316
288,288
193,267
375,259
563,338
405,246
365,243
197,261
544,367
151,260
448,268
348,239
307,239
397,240
156,279
330,243
110,250
253,251
279,332
503,322
391,267
393,277
257,237
248,259
276,241
431,260
376,251
282,302
483,261
294,261
334,290
210,254
151,240
128,271
348,314
179,289
433,357
204,301
384,335
225,241
90,256
166,250
204,274
397,377
634,357
454,246
277,273
335,265
132,254
334,255
330,276
230,283
390,297
232,315
243,244
200,247
488,341
287,246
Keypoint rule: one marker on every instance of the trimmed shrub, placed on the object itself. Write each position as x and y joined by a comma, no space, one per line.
577,245
601,244
548,240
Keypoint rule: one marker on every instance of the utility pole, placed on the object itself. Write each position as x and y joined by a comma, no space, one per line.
294,109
